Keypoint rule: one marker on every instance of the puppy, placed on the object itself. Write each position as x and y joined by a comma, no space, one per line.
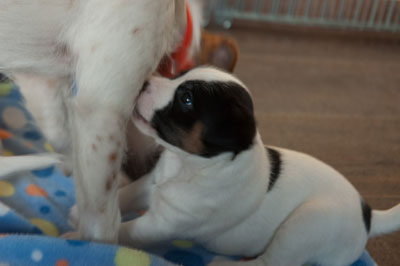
143,152
109,48
215,49
217,184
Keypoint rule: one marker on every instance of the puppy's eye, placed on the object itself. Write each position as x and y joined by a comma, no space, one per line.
187,99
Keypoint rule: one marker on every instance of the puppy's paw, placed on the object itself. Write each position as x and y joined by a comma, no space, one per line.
73,217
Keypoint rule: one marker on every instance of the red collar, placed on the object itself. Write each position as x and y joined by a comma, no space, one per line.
178,61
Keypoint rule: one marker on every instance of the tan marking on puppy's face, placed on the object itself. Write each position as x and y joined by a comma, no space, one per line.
192,140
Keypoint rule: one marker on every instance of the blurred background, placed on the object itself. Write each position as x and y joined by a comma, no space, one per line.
325,77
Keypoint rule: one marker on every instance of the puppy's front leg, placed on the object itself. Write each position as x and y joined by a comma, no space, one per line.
135,197
146,230
117,44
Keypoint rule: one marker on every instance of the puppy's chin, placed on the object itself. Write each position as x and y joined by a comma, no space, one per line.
142,124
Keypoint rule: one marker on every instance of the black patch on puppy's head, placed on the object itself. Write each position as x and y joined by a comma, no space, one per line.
207,118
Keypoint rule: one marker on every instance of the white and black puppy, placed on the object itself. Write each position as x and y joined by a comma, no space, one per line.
217,184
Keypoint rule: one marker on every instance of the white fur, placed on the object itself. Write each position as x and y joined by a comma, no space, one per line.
312,213
14,164
109,48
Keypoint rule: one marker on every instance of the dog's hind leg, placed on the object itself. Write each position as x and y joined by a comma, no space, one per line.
316,232
44,98
117,45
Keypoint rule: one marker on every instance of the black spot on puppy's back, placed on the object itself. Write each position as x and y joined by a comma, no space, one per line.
367,215
218,119
275,163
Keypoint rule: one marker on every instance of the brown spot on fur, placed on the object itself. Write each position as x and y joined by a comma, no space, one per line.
71,3
109,183
62,50
106,60
113,157
135,30
93,48
111,138
51,83
191,141
99,138
94,147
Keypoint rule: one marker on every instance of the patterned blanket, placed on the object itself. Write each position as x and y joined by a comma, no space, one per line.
34,207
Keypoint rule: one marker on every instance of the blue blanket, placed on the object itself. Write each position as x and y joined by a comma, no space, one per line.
34,207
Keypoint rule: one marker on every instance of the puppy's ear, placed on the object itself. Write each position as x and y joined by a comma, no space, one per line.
233,131
218,50
224,57
243,126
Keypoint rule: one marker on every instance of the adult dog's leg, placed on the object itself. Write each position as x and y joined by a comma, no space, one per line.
117,45
45,100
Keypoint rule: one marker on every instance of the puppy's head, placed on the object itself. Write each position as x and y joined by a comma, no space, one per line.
204,112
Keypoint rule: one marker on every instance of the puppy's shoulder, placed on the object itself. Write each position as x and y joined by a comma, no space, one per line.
288,155
299,163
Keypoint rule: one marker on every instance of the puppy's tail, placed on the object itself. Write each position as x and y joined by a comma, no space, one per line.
13,164
386,221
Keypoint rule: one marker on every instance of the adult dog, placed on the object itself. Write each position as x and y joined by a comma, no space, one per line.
109,48
217,184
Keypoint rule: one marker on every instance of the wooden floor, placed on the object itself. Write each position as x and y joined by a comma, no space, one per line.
336,99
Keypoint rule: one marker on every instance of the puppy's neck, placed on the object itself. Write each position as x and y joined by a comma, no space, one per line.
221,166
